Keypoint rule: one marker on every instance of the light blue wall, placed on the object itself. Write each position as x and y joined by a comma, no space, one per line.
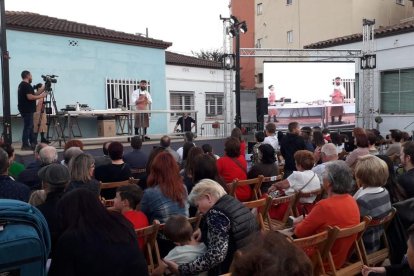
82,71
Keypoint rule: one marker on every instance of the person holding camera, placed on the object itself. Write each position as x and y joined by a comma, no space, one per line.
27,107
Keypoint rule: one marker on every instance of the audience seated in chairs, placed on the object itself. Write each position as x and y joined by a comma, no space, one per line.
165,142
395,191
166,194
118,170
136,159
73,143
9,188
186,149
180,231
236,133
371,173
302,180
69,154
103,159
126,201
270,253
406,179
15,167
405,268
54,178
208,149
233,165
188,137
44,155
361,141
82,169
94,241
187,172
226,228
265,166
339,209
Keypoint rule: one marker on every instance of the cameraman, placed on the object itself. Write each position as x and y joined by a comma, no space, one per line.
27,106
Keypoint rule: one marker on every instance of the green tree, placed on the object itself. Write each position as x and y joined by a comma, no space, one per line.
213,55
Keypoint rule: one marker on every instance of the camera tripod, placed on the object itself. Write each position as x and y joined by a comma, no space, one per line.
54,121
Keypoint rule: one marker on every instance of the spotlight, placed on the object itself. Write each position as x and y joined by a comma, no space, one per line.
243,27
232,32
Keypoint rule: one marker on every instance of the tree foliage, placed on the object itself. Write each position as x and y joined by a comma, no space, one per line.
213,55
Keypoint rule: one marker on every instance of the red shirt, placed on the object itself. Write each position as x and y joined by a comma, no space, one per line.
229,170
338,210
138,220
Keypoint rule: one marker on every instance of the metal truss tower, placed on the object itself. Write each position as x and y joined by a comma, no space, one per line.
228,105
368,64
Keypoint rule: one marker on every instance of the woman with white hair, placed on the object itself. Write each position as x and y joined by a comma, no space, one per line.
225,228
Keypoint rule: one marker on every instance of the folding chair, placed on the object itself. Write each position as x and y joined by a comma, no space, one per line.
313,246
255,183
351,267
274,224
149,235
315,193
262,208
379,256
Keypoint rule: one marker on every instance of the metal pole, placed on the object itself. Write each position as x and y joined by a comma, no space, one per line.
7,135
237,119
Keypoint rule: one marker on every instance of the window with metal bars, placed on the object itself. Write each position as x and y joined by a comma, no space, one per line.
214,105
397,91
121,89
181,100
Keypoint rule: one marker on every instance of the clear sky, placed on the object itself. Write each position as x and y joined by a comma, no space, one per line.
191,25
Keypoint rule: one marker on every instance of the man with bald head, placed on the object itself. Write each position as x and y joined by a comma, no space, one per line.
328,153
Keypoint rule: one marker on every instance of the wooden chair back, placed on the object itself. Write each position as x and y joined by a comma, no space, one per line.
194,221
151,251
261,207
377,257
335,233
274,224
315,193
271,179
111,185
254,183
313,246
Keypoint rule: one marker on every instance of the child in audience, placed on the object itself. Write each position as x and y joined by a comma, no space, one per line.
126,201
179,230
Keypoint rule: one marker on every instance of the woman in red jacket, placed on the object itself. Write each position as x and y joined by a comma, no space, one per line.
233,165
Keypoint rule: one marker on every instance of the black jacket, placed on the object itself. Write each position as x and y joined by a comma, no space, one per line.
291,143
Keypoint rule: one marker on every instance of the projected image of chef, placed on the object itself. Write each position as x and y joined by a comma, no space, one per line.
272,112
337,96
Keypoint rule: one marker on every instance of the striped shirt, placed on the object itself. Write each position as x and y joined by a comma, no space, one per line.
377,205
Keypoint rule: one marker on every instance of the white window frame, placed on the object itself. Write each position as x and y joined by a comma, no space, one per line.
289,36
212,103
182,105
121,89
259,9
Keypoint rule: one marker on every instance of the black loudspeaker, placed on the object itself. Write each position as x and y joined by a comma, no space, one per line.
261,109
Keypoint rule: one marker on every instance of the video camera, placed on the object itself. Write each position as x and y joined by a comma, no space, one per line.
49,79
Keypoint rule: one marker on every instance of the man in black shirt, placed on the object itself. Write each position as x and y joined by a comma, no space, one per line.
27,106
290,144
185,122
406,180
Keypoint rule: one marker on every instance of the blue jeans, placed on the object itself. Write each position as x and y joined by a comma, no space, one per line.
27,136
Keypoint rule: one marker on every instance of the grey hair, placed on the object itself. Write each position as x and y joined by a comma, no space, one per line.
48,155
71,153
329,149
206,186
339,174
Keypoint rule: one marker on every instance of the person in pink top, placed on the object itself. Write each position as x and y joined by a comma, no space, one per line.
272,112
337,96
126,201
